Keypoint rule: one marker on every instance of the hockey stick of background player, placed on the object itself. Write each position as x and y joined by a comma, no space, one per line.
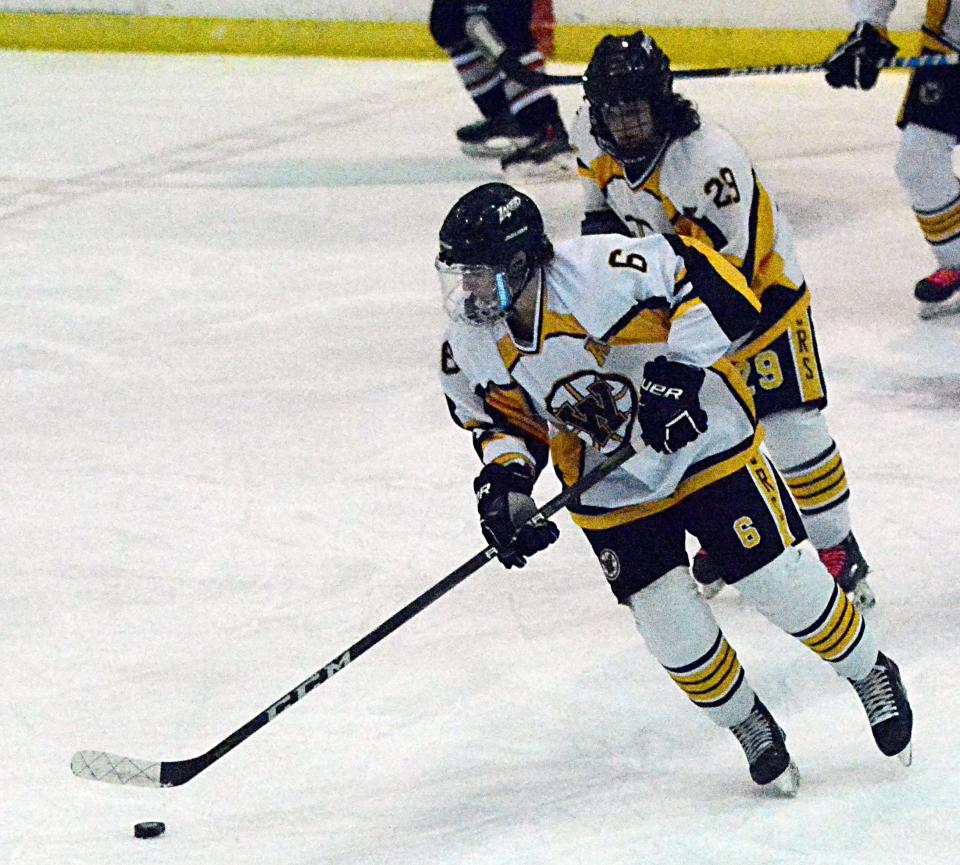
532,78
102,766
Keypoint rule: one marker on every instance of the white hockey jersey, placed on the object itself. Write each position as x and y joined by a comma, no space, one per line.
704,186
606,305
941,25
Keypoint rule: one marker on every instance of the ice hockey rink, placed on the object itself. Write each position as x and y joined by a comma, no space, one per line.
225,457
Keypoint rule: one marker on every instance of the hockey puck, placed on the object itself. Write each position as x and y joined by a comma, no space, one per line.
149,829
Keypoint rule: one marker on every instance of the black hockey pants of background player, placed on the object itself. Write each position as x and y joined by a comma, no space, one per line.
511,110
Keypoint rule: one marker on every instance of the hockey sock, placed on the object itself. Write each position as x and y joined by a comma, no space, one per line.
481,78
941,229
523,98
796,593
812,468
682,634
925,169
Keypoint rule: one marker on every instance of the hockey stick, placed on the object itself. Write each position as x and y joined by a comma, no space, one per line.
539,79
115,769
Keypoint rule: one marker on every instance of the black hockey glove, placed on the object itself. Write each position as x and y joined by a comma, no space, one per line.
504,503
857,62
669,414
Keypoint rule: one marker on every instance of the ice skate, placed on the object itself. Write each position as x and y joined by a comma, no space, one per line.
885,700
547,153
848,567
763,743
939,293
493,137
707,574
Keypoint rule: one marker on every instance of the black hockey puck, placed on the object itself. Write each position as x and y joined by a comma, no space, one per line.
149,829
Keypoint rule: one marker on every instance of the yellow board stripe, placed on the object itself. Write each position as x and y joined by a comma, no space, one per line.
686,46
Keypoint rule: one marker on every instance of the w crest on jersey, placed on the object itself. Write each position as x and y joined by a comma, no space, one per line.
599,407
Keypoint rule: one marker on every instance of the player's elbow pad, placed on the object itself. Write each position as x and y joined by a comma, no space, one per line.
602,222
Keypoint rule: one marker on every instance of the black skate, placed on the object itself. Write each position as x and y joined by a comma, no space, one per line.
939,293
763,742
707,573
547,152
849,568
885,699
492,138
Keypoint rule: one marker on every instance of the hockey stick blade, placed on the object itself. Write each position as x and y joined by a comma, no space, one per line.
116,769
534,79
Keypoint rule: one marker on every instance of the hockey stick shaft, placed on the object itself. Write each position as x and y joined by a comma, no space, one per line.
920,62
116,769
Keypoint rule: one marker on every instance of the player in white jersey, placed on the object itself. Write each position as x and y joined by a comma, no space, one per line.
650,164
930,124
565,354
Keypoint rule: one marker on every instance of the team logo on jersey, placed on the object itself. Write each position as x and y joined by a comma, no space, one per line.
610,564
931,92
600,407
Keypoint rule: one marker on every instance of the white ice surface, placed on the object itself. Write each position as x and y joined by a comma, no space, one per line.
224,457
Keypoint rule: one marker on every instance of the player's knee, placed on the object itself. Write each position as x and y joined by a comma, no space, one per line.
446,23
670,590
791,589
795,436
924,164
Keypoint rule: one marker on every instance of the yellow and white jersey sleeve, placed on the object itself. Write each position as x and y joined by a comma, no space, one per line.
705,187
482,398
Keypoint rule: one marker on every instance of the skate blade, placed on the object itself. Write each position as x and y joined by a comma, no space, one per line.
906,755
496,148
559,167
938,310
787,783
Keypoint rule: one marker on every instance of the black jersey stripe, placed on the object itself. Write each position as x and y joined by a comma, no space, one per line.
731,309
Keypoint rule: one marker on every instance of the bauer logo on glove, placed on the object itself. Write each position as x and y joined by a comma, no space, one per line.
669,414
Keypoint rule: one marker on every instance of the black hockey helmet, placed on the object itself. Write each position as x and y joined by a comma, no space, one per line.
633,109
491,243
